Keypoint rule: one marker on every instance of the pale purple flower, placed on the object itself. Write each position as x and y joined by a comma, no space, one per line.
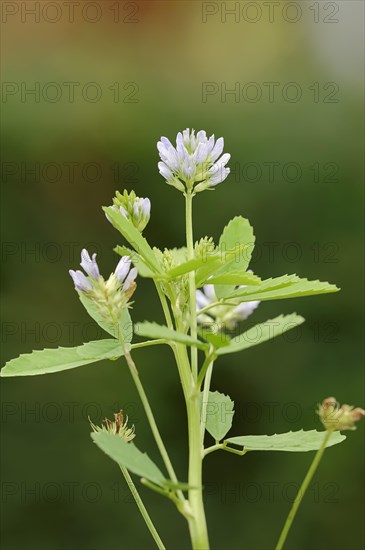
80,281
124,273
224,315
194,163
89,264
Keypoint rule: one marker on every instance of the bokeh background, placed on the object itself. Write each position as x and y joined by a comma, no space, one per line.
138,70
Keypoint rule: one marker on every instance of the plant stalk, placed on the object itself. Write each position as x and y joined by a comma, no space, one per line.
142,508
192,289
302,491
151,420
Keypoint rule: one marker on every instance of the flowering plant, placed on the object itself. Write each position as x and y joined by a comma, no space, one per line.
205,290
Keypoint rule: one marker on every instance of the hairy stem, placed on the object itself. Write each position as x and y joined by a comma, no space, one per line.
301,492
142,508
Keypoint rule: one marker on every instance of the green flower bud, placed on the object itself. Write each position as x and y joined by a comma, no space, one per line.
136,209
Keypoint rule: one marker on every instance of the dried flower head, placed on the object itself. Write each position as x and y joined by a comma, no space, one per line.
338,418
117,427
195,163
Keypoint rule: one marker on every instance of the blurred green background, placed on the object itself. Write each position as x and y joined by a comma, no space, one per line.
297,163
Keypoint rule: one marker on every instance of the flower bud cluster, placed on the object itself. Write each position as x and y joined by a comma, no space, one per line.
338,418
136,209
195,164
111,296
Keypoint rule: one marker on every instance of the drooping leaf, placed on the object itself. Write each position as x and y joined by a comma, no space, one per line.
133,236
219,414
153,330
129,456
55,360
262,332
300,441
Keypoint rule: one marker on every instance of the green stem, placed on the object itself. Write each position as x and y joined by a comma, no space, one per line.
223,447
151,420
192,289
149,343
142,508
197,521
207,381
302,491
164,304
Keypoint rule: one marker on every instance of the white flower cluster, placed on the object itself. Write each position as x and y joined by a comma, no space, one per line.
225,316
195,163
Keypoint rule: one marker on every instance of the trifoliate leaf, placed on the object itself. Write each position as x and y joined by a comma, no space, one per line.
127,455
262,332
300,441
219,414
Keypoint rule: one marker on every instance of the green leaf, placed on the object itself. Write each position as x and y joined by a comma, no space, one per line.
59,359
125,323
133,236
126,326
238,236
262,332
219,414
137,260
93,311
193,265
101,349
127,455
300,441
234,279
217,339
153,330
288,286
